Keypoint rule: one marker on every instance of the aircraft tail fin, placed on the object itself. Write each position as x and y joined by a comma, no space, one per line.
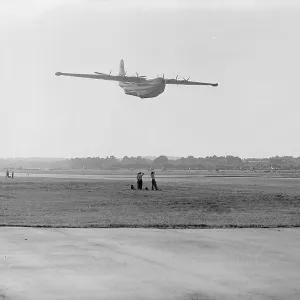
122,69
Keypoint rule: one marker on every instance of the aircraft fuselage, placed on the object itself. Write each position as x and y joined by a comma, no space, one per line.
146,88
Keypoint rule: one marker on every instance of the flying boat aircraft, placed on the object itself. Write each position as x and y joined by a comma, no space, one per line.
138,86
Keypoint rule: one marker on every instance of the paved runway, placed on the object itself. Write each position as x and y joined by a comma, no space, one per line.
149,264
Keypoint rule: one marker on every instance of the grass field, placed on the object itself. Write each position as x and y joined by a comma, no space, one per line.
187,201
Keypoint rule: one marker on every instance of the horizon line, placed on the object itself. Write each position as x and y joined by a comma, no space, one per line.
143,156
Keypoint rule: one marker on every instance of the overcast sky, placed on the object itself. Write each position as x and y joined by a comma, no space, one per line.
251,48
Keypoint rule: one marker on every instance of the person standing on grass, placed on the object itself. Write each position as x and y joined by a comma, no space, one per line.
140,180
154,185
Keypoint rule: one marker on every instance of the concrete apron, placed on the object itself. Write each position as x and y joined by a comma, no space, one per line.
149,264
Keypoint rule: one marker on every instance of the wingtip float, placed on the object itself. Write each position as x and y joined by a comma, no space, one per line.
138,85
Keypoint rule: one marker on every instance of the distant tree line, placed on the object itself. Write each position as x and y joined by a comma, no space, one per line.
214,162
228,162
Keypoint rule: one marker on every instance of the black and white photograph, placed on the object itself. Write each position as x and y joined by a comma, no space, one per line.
149,150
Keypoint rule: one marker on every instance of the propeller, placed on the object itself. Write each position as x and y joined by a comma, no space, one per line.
140,76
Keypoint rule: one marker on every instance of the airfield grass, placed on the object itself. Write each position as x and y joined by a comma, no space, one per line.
201,203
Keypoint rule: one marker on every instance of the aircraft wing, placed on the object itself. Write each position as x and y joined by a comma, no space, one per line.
187,82
103,77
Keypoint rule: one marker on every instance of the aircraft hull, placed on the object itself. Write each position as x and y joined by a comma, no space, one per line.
144,89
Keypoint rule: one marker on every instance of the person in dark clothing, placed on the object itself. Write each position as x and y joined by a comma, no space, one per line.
7,174
154,185
140,180
12,174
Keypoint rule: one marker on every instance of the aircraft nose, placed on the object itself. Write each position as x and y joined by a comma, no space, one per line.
58,73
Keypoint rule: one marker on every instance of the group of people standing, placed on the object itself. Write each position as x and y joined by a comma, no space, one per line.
139,178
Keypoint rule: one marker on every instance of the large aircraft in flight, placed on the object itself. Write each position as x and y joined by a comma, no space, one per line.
138,86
